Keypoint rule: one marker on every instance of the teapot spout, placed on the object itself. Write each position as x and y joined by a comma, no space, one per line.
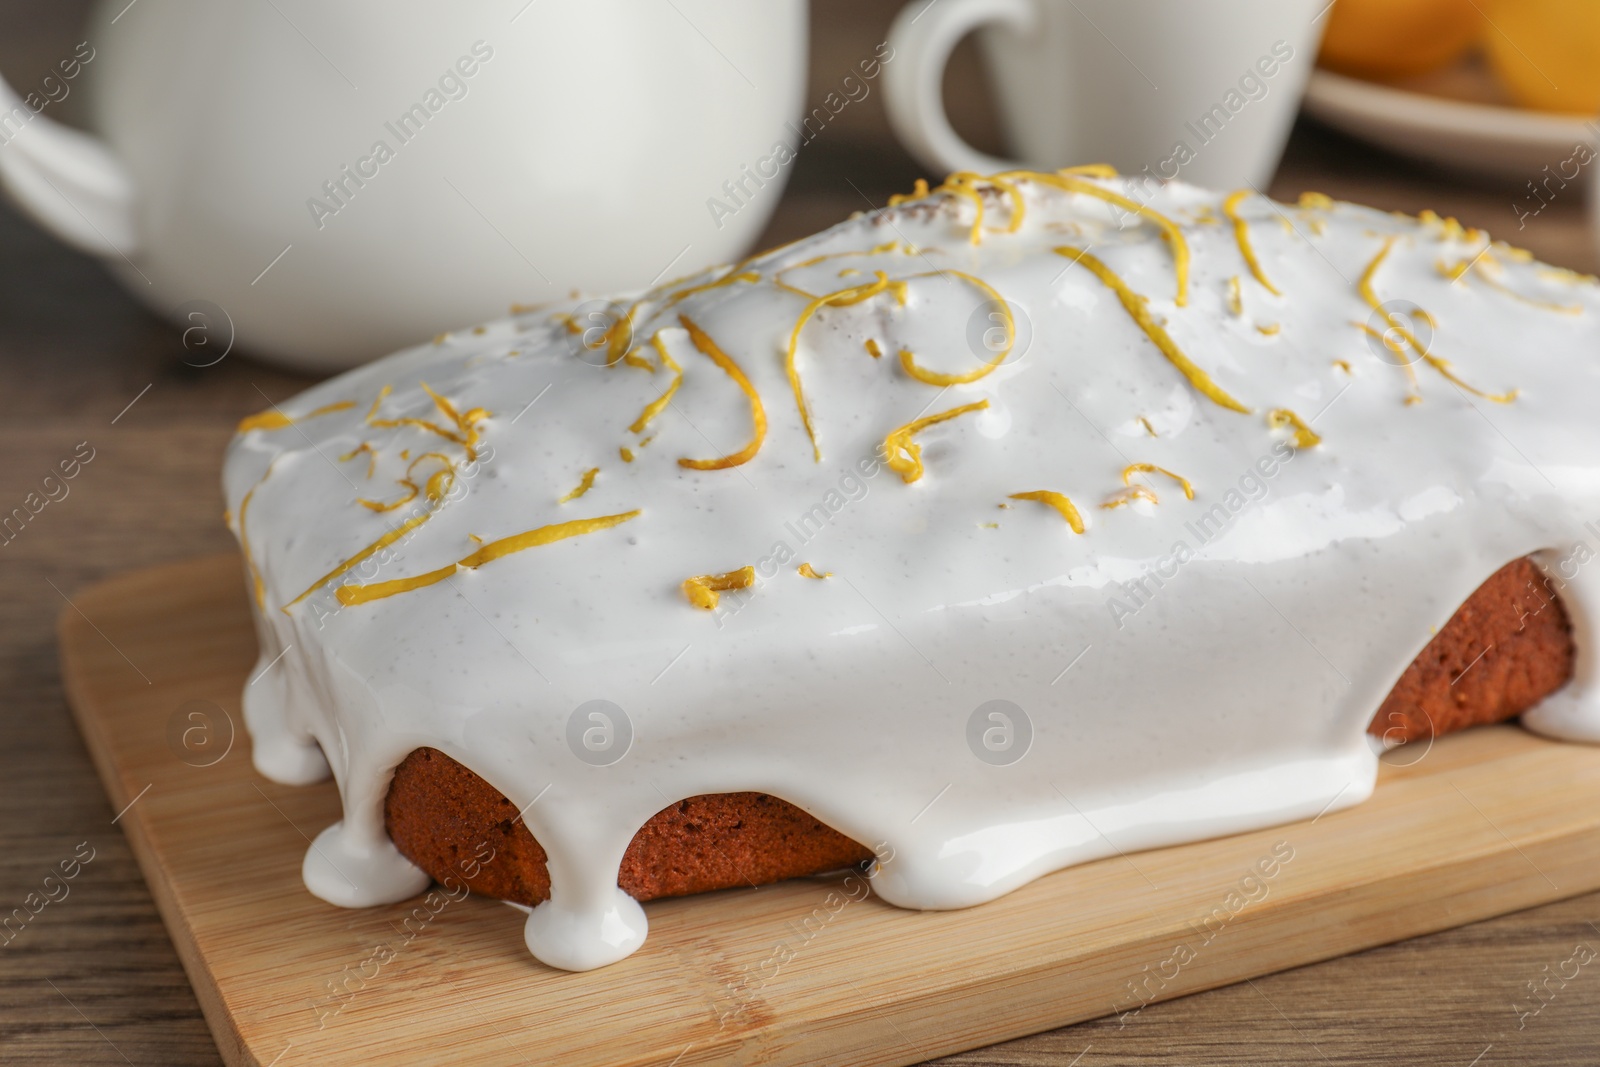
66,180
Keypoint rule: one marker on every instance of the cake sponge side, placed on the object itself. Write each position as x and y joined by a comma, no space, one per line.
1505,649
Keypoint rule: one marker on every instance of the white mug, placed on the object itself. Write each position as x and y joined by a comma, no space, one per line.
1203,88
341,180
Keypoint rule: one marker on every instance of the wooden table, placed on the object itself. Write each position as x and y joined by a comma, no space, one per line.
93,979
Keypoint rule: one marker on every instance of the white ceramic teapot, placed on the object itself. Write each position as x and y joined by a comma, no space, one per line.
345,179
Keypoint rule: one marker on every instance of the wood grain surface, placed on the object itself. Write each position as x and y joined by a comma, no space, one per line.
94,979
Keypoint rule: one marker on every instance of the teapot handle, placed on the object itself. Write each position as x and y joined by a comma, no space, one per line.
69,182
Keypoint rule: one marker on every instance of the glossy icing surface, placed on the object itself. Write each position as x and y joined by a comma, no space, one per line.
1182,668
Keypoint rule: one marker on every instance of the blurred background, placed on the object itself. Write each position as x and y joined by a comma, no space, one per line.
1442,104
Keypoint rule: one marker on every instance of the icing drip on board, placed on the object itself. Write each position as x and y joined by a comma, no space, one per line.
1289,479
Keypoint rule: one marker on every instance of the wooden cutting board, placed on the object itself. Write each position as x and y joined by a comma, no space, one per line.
804,972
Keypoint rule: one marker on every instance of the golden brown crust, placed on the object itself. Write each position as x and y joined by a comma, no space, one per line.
1507,647
1503,651
449,821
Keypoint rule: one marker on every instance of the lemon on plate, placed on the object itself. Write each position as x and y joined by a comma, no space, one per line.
1546,53
1395,38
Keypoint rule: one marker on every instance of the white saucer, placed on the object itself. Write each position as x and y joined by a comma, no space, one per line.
1457,117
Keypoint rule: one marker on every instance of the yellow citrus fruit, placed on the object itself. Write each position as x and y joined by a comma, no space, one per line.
1393,38
1546,52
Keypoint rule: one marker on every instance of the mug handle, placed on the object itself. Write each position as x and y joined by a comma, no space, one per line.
67,181
925,33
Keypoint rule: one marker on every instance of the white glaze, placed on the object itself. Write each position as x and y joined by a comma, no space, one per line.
1236,698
